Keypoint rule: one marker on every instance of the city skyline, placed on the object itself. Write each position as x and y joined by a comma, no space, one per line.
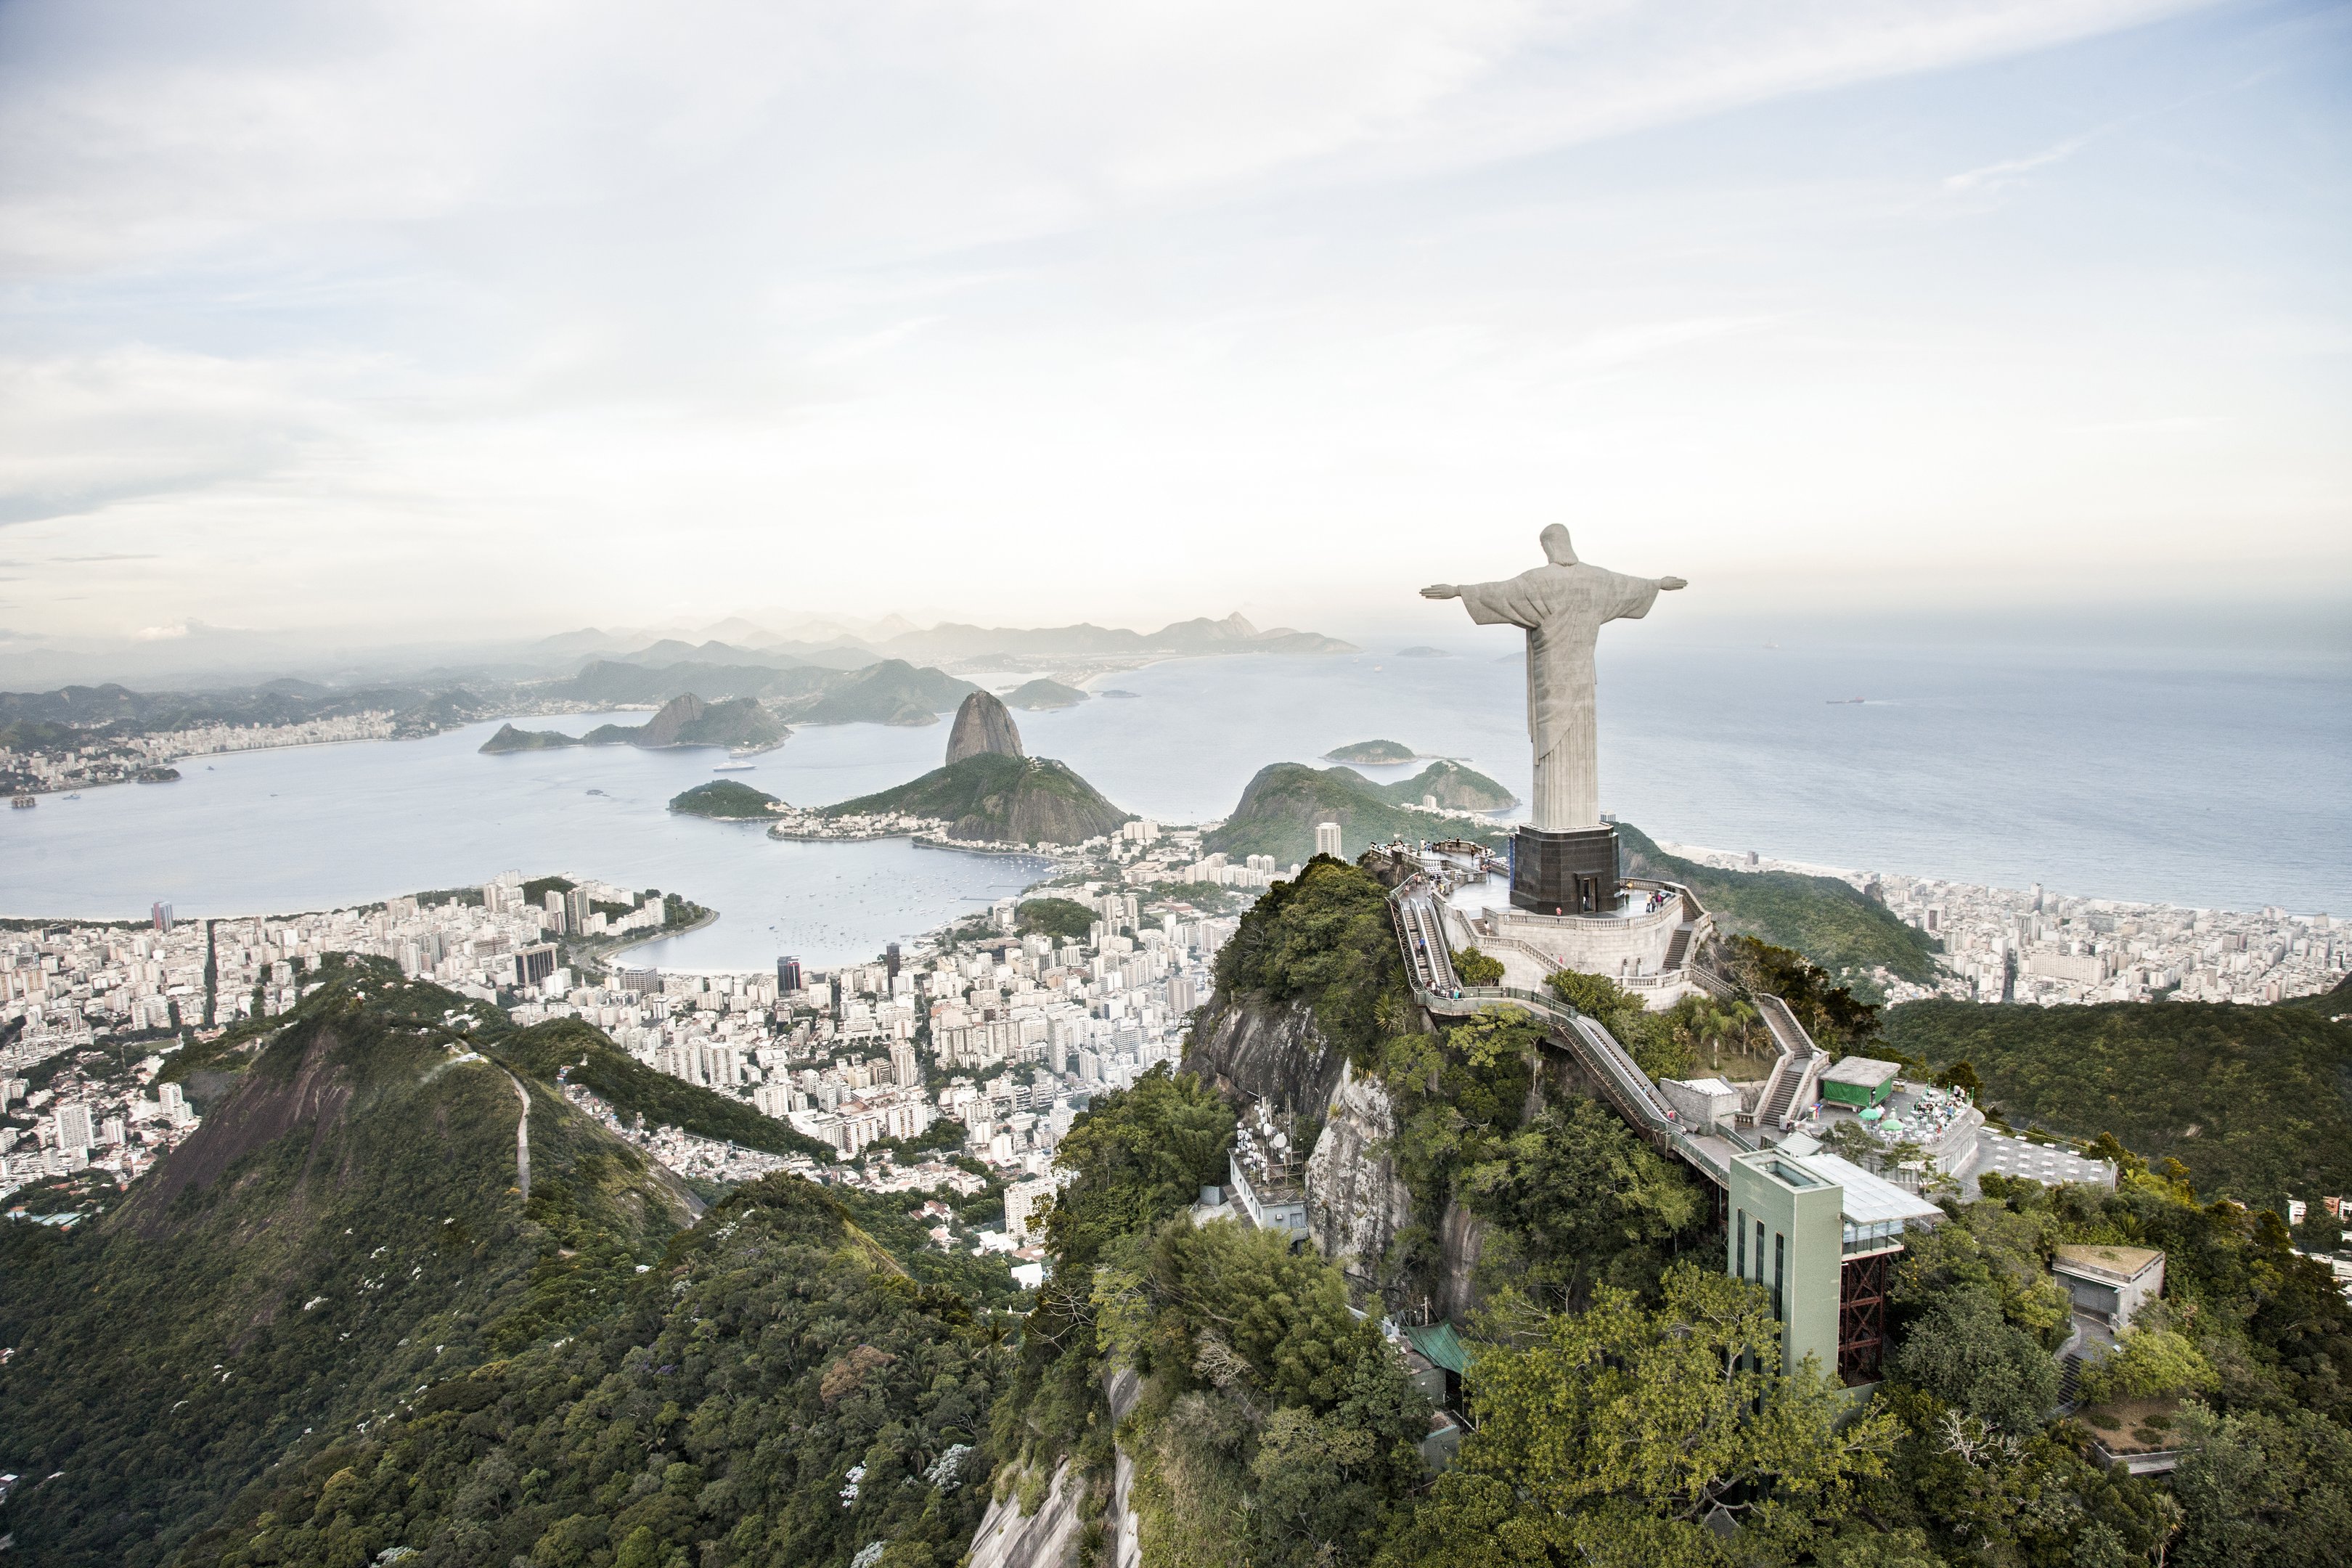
405,324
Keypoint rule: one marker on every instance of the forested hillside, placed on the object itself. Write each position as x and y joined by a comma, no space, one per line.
1621,1387
329,1330
1826,920
990,795
334,1293
776,1391
587,1055
2255,1101
1281,806
344,1227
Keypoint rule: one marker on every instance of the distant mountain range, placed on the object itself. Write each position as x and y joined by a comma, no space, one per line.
953,642
950,640
891,691
32,719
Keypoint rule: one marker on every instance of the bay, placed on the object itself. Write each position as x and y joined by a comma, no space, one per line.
313,828
2200,781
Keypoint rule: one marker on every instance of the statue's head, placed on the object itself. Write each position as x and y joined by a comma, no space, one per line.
1556,547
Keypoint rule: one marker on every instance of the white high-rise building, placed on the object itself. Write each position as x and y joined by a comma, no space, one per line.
1327,839
73,1127
1022,1202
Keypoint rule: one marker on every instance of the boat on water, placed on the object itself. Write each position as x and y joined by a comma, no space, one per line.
734,767
75,796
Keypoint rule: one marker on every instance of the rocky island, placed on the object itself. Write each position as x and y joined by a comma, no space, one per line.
739,722
1373,752
1042,695
725,799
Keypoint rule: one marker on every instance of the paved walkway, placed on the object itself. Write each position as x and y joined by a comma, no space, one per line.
522,1139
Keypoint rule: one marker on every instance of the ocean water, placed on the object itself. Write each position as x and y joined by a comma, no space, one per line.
315,827
2195,783
2209,784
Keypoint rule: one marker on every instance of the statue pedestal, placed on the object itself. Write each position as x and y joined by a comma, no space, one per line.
1570,873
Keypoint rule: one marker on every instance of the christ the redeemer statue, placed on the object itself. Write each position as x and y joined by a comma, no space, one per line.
1562,608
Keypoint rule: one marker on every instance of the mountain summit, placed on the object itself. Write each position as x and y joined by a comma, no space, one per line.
983,726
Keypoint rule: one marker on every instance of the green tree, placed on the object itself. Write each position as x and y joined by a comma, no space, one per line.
1248,1345
1285,1313
1455,1096
1662,1046
1572,1194
1476,969
1066,919
1596,994
1324,938
1140,1154
2147,1363
2258,1488
1618,1432
1965,1354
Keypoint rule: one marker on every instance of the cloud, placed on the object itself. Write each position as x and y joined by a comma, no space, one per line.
1995,175
137,129
440,310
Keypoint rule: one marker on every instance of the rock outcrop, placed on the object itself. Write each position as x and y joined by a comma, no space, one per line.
1244,1046
1047,1539
983,725
1461,1237
1355,1202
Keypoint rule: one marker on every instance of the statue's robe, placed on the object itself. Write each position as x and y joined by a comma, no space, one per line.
1562,610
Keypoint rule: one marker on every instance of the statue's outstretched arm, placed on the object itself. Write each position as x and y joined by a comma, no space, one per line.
1441,591
1671,584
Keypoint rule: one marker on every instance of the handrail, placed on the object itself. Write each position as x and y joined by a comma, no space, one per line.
1622,1079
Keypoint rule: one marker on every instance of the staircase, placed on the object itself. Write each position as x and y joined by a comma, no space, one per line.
1798,1067
1776,1103
1678,949
2070,1381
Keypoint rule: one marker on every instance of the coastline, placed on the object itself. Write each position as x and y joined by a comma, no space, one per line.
603,955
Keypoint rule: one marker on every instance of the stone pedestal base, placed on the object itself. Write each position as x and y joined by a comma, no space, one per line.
1571,873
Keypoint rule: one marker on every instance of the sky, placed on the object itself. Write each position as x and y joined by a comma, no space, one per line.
460,319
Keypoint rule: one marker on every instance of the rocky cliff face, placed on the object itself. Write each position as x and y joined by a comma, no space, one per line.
1244,1046
1461,1238
1049,1538
1355,1202
982,724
